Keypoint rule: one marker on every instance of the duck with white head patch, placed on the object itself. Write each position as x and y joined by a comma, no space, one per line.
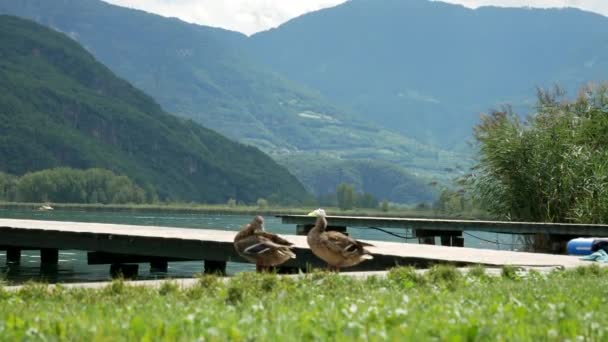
335,248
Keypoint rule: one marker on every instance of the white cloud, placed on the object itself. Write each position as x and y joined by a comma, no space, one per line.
247,16
599,6
250,16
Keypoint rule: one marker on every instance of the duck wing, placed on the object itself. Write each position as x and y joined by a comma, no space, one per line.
257,245
342,244
274,238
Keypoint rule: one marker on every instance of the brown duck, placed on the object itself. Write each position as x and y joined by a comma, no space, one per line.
260,247
335,248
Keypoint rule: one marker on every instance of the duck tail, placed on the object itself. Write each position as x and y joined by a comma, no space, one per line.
367,257
287,251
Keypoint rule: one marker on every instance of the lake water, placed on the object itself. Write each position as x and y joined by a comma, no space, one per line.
73,265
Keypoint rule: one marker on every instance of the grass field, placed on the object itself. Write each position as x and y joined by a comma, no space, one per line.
442,305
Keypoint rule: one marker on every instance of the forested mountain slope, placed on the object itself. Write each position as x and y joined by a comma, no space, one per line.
60,107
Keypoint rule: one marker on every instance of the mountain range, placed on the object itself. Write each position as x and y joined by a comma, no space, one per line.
428,68
207,75
60,107
368,82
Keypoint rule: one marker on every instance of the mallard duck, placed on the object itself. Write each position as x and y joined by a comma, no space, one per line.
335,248
261,247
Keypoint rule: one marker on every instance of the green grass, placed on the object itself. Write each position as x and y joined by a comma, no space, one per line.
440,305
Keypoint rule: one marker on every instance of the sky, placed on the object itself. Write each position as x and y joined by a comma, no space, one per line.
250,16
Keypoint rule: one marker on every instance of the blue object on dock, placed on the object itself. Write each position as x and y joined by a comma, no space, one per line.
586,246
580,246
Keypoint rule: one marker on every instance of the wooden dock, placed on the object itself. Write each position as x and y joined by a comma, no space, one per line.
131,243
450,231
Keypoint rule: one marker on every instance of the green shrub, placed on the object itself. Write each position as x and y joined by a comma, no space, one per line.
262,203
234,295
477,271
384,206
510,272
66,185
445,275
592,270
168,287
406,276
550,168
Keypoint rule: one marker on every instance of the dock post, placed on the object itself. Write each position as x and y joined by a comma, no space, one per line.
446,240
428,240
159,266
425,236
457,241
558,244
127,271
215,267
13,255
452,240
49,256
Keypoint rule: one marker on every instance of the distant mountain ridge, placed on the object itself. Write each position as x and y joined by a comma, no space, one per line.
194,71
425,69
384,181
60,107
207,75
428,68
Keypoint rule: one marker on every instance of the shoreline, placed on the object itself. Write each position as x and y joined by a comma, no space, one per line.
220,209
